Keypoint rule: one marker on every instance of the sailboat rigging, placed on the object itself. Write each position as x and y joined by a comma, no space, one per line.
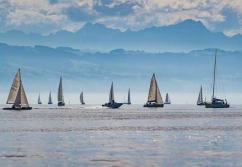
112,103
39,101
17,95
154,97
200,98
216,103
60,94
50,99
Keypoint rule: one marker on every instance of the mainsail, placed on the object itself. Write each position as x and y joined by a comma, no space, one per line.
50,99
60,92
200,96
129,100
154,92
81,98
17,94
39,101
111,95
168,98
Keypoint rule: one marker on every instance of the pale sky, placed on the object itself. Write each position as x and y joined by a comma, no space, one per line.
49,16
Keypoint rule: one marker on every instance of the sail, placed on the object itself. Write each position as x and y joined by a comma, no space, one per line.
129,100
39,101
152,91
14,89
168,98
50,99
200,96
21,99
111,95
81,98
158,95
60,92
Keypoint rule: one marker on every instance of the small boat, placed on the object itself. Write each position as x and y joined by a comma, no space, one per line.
39,101
82,99
112,103
50,99
168,101
200,98
17,95
216,103
129,100
154,97
60,94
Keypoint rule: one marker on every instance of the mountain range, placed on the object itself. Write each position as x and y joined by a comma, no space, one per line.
183,37
42,66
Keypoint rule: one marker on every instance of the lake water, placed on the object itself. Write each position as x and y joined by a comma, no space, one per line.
176,135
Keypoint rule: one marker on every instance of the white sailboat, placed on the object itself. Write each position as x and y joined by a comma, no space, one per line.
17,95
200,98
60,94
39,101
216,103
82,99
168,101
112,103
50,99
154,97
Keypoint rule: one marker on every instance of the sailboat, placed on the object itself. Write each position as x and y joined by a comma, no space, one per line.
154,97
50,99
60,94
216,103
129,100
82,99
17,95
200,98
39,101
168,101
112,103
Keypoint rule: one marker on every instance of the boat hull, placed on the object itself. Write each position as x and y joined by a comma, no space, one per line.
167,103
113,105
61,104
201,104
83,103
39,103
154,105
217,105
24,108
50,103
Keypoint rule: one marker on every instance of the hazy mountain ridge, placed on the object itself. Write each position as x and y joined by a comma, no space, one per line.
186,36
42,66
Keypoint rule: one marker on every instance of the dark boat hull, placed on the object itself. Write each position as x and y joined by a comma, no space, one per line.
167,103
83,103
217,105
61,104
113,105
154,105
39,103
24,108
201,104
50,103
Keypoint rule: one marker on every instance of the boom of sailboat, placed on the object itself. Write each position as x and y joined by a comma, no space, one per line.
18,98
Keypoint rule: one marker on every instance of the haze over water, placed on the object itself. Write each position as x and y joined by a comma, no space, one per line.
176,135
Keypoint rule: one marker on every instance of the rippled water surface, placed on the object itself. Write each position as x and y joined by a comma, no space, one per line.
176,135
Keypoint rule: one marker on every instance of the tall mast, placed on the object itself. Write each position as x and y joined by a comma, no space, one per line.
214,74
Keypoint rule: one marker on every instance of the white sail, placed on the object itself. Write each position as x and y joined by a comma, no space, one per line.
60,92
168,98
14,89
111,95
154,92
81,98
129,100
39,101
50,99
200,96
